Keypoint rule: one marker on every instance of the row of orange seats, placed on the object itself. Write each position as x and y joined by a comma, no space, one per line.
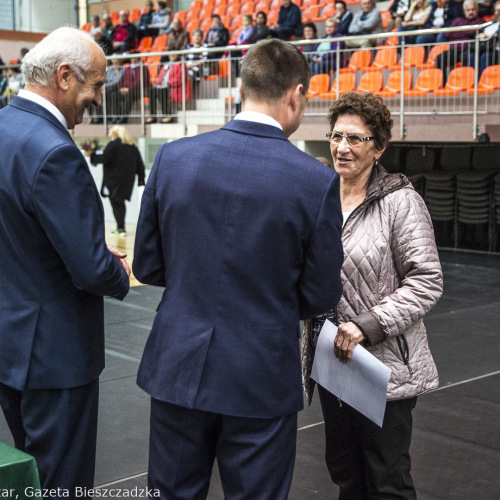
428,81
386,57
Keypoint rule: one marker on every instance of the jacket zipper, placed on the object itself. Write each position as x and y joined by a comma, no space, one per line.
405,352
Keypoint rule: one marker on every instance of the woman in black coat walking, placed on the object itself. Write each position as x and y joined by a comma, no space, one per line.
121,163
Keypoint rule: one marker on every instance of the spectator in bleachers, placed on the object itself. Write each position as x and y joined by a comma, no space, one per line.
488,44
398,10
15,82
289,21
108,29
22,53
169,89
324,58
145,20
124,34
247,30
217,36
161,21
195,59
96,25
365,22
308,49
441,16
129,86
485,7
260,31
459,52
104,43
343,17
415,18
179,37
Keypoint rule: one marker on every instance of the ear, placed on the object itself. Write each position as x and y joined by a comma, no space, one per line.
294,96
379,153
63,75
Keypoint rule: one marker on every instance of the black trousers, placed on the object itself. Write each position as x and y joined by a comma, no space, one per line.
118,206
255,456
59,428
364,460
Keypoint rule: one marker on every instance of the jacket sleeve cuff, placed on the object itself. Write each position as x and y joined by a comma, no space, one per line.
371,328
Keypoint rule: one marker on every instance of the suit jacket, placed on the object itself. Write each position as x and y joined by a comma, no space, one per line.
55,265
243,230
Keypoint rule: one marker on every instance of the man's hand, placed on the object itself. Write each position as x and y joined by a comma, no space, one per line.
348,336
121,257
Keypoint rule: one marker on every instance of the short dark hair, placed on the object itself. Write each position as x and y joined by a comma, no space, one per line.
370,108
342,2
162,5
265,15
216,16
311,25
270,68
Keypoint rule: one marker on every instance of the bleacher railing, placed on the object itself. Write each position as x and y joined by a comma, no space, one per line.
206,90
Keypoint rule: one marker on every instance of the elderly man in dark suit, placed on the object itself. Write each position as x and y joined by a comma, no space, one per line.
243,230
55,266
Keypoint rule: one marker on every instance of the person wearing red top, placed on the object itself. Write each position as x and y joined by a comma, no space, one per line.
459,52
124,36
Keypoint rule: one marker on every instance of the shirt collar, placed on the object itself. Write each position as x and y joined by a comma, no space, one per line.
254,116
31,96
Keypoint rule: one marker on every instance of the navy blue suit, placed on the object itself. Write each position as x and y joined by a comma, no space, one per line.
55,269
243,230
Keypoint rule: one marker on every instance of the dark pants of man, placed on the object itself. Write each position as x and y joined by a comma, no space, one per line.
255,456
59,428
367,461
118,206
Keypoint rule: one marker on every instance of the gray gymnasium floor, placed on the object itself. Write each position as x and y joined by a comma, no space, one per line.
456,442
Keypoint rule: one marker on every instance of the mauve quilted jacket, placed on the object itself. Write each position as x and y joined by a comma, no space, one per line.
391,277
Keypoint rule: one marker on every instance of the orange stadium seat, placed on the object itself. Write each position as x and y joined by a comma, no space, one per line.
308,3
192,25
434,52
205,13
275,5
371,82
236,22
234,35
196,5
346,83
311,13
220,10
428,80
223,70
414,57
115,18
248,8
272,17
393,86
385,58
328,11
145,44
318,84
153,65
135,15
489,81
386,15
192,15
205,25
262,5
219,3
159,44
86,27
360,60
459,79
233,9
181,14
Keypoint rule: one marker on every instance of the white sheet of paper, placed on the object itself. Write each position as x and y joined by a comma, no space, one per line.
361,383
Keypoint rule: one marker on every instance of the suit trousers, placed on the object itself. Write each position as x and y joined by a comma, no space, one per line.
59,428
367,461
255,456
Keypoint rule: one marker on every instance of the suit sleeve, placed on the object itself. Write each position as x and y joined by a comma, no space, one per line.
66,203
148,265
320,286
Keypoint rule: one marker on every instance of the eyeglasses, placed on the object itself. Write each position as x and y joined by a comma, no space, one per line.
352,139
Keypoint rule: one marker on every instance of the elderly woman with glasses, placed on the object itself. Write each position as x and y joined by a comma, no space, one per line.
391,278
